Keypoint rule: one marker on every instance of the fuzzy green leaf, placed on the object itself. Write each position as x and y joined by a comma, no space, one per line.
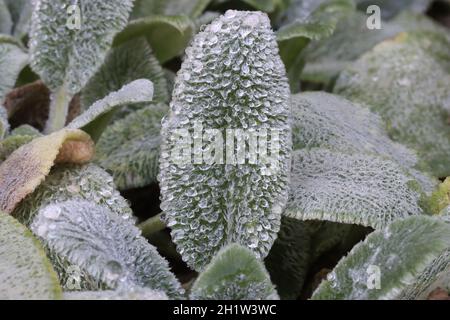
407,253
328,121
133,293
81,183
26,168
409,83
128,62
17,138
328,57
129,148
105,245
6,23
97,117
25,272
167,35
12,60
208,206
349,188
21,11
88,182
308,21
69,58
234,274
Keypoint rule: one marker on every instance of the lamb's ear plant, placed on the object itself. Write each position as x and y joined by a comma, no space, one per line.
307,20
232,78
328,57
20,13
13,58
23,171
235,273
406,260
67,56
409,83
105,245
167,35
25,272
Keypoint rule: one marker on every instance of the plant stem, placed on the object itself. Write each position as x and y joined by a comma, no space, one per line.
152,225
59,107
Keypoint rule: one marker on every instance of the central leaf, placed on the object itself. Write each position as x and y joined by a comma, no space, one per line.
233,85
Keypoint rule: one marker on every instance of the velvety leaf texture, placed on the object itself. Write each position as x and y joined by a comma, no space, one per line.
17,138
409,83
95,119
328,121
308,20
21,11
232,78
126,63
80,183
191,8
328,57
23,171
74,182
65,57
25,272
234,274
105,245
12,60
167,35
129,148
405,253
6,23
349,188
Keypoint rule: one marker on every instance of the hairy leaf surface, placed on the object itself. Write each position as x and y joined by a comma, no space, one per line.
25,272
328,121
105,245
328,57
227,82
167,35
409,81
96,118
350,188
12,60
23,171
234,274
129,148
62,54
404,253
74,182
306,21
126,63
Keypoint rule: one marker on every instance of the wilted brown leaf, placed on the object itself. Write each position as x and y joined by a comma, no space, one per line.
28,166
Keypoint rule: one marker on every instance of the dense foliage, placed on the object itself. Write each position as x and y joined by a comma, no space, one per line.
219,149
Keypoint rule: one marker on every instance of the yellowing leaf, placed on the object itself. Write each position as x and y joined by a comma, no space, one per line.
27,167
